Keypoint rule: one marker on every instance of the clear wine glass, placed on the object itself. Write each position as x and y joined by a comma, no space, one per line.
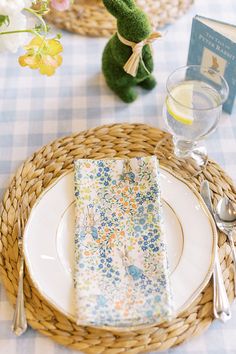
192,109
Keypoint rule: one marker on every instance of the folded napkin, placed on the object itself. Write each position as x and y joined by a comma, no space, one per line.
121,274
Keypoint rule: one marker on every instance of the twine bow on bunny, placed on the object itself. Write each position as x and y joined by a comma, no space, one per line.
132,64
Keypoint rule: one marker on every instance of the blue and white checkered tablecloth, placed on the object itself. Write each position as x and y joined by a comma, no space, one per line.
35,110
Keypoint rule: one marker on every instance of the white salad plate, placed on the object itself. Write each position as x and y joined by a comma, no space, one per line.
189,230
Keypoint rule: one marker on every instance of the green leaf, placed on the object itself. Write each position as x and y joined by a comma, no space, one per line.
4,20
41,29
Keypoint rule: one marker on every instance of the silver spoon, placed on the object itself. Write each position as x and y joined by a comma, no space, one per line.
226,222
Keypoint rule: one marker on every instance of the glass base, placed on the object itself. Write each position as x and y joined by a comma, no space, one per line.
199,155
190,151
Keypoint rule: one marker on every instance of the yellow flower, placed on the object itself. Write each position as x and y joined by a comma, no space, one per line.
42,54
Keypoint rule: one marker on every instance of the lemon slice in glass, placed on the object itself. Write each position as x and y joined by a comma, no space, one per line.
182,111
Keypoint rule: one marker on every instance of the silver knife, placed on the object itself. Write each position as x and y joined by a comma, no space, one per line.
206,195
221,306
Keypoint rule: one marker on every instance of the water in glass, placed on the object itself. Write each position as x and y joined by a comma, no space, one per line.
196,114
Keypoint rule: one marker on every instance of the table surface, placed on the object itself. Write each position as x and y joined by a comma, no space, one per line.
35,110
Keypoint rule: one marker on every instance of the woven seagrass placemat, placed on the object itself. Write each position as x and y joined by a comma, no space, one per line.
43,168
89,17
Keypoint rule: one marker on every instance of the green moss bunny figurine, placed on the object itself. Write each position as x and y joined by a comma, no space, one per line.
127,58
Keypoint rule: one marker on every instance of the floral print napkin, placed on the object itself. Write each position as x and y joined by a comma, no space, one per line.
121,274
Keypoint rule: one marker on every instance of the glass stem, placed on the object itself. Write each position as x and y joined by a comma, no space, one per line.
183,148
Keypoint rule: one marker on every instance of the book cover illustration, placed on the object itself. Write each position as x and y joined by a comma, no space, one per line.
213,45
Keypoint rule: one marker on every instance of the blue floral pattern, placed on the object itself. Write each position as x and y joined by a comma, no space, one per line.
121,273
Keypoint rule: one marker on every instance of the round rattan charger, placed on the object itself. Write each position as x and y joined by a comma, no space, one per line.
43,168
89,17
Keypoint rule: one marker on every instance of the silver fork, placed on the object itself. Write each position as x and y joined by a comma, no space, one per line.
19,323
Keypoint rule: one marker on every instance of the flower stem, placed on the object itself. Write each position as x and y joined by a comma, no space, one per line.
21,31
33,12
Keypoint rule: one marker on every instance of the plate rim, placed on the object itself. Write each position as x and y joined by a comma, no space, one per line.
189,301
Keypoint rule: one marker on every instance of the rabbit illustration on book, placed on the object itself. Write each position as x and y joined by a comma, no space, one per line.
215,65
127,58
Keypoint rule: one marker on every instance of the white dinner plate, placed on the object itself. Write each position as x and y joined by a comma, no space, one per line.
48,242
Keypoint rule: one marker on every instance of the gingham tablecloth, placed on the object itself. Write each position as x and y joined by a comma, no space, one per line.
35,110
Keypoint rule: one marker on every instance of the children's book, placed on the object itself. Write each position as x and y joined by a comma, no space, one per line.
213,45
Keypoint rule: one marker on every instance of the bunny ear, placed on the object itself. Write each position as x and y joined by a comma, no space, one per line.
119,8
